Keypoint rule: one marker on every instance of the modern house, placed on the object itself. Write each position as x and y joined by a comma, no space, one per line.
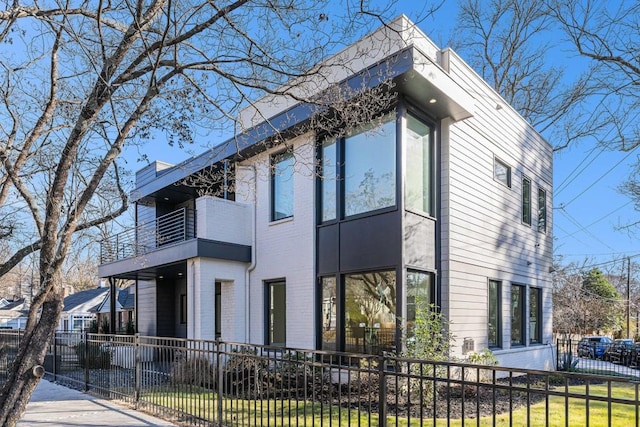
328,234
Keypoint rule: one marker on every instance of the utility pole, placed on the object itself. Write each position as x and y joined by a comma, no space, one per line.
628,297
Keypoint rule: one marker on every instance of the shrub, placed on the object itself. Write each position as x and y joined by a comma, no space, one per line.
97,357
430,341
197,371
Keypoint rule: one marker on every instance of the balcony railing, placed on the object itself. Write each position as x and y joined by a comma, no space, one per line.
174,227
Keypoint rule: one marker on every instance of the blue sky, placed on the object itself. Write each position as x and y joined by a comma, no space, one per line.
589,211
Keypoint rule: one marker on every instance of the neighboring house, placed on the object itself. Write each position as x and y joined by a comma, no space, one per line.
125,309
13,313
79,309
328,242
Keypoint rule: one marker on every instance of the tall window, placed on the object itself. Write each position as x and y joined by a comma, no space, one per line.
542,210
494,324
502,172
370,167
282,186
329,313
419,166
517,315
328,180
526,201
420,294
183,309
276,314
218,307
535,315
370,312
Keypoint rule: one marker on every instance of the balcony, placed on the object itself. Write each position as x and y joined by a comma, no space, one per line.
174,227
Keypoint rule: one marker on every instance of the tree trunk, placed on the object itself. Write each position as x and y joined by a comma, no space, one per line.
21,382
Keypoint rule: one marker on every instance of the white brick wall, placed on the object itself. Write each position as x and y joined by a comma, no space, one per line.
201,298
284,249
224,220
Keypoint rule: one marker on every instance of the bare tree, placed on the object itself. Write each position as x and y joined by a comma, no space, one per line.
511,44
607,34
82,82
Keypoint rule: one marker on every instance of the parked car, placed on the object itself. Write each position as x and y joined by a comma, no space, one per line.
619,351
634,357
593,347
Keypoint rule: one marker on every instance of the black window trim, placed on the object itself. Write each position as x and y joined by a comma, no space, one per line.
538,314
522,200
523,315
267,309
272,169
498,344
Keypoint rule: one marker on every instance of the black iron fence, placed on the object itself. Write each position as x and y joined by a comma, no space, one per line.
229,384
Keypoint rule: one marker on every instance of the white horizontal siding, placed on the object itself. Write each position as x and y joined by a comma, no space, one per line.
483,236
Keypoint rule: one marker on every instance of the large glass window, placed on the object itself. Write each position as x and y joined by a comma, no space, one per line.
535,315
329,313
328,180
495,296
420,294
526,201
542,210
282,186
517,315
370,167
370,312
276,314
418,184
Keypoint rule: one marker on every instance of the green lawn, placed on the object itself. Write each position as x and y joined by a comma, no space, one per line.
304,413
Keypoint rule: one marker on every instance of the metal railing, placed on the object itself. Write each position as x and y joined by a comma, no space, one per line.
174,227
218,383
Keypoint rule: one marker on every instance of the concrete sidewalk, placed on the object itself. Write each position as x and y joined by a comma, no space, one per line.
55,405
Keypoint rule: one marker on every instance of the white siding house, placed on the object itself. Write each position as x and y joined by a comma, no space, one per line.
331,238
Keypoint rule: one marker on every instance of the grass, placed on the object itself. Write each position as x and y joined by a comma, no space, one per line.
203,404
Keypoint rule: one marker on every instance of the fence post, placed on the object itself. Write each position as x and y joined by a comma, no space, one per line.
219,386
86,360
382,391
55,356
138,371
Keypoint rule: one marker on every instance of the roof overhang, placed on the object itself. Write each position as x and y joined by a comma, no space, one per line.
414,74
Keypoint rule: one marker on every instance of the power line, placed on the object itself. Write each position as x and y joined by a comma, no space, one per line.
600,177
598,220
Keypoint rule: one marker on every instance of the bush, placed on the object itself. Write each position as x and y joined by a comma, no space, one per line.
197,371
430,341
97,357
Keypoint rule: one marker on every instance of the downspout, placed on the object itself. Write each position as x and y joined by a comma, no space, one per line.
252,265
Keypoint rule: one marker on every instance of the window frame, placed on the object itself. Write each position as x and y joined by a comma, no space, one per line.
498,162
275,160
183,309
430,164
526,201
521,342
268,324
218,308
498,311
535,337
542,210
